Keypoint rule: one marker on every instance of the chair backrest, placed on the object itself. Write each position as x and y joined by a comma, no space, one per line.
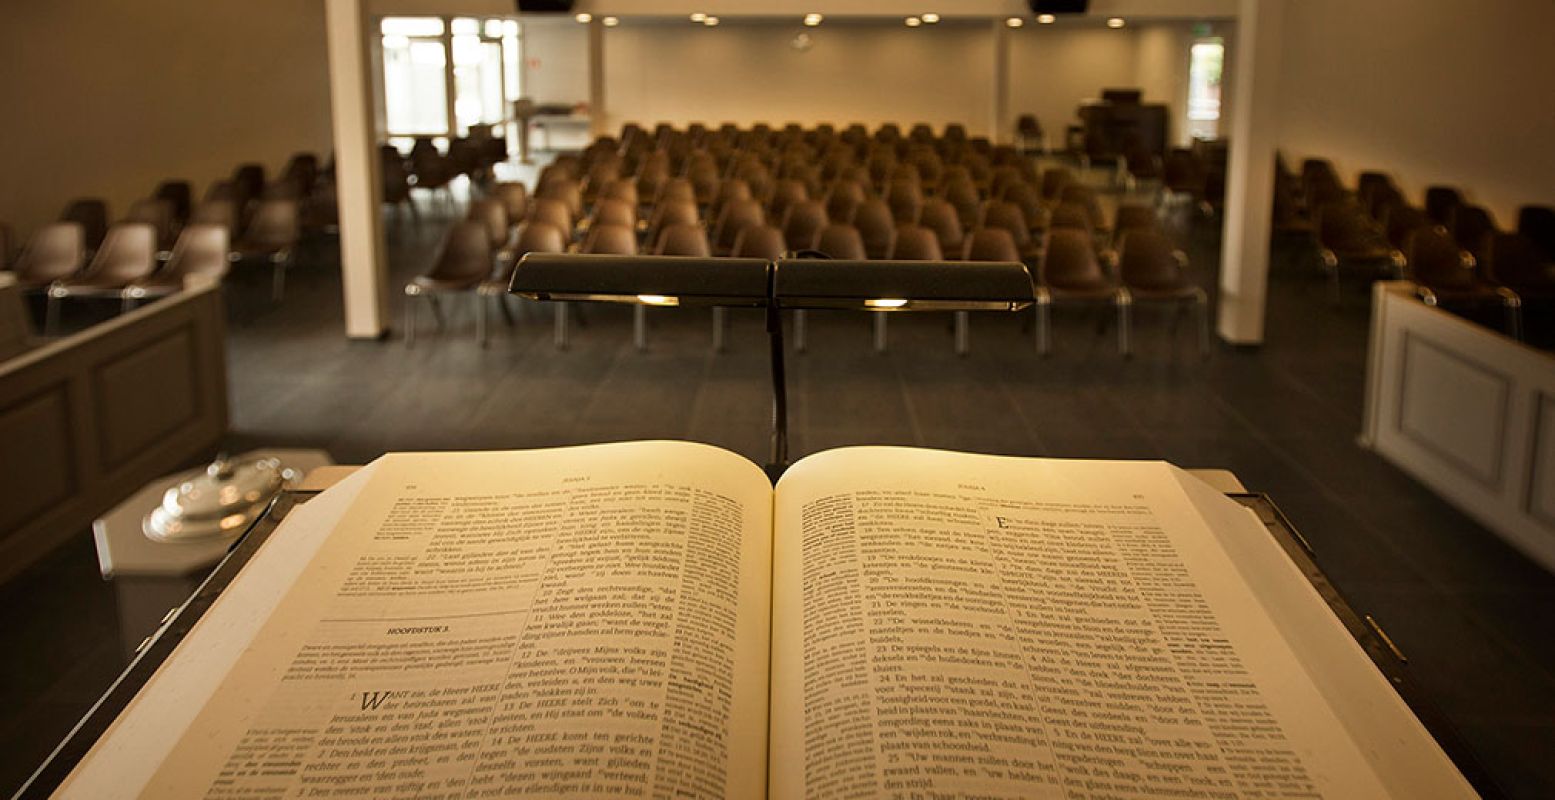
1133,216
1538,224
55,251
990,244
1472,226
249,179
1069,261
129,253
615,212
736,215
553,211
1147,259
491,212
515,198
1400,221
785,193
906,201
962,195
568,192
878,227
916,243
682,212
1440,202
759,241
677,190
1345,226
1516,260
941,217
1436,260
157,213
274,227
538,236
465,255
92,214
201,249
1072,215
215,212
841,240
619,240
1000,214
843,200
1054,179
802,224
180,196
682,239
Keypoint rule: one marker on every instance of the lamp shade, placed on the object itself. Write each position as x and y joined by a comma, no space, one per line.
643,280
902,285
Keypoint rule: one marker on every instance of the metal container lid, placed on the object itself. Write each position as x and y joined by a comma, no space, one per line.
219,501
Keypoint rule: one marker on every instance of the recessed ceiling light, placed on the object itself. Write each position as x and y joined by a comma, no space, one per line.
584,17
913,22
1115,22
813,19
698,17
930,18
710,21
611,22
1014,22
1046,19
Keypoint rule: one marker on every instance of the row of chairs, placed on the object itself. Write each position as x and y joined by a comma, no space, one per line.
428,168
168,236
1453,250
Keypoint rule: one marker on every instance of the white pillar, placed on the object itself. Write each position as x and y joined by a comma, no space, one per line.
364,275
999,109
1244,260
598,125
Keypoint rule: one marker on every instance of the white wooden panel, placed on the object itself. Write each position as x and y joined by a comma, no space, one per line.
1454,407
1541,486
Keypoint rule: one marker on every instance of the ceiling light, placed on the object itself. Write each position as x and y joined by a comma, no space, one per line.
710,21
698,17
1046,19
584,17
1115,22
913,22
611,22
1014,22
931,18
813,19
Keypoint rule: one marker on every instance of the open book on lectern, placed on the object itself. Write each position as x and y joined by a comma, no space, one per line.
654,619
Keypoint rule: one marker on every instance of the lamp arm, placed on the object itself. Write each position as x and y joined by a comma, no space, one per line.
779,460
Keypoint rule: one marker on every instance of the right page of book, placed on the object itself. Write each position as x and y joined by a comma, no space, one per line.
948,624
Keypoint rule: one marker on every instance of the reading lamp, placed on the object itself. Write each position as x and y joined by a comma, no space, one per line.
788,283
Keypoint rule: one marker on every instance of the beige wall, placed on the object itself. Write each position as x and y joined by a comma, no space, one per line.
109,98
1433,92
556,61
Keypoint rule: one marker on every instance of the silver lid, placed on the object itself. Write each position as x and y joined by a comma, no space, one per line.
219,501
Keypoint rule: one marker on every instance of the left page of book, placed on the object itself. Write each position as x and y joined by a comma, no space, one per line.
589,620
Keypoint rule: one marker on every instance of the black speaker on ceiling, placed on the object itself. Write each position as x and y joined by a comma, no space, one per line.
544,6
1059,6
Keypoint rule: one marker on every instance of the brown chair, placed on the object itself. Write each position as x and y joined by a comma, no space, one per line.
91,213
272,235
802,224
6,247
514,197
1538,224
1347,235
878,227
1029,199
962,194
1071,273
1447,275
1028,134
690,240
736,215
1516,262
1153,270
619,240
552,212
843,200
785,193
1472,226
1440,202
128,254
463,262
1132,216
940,217
395,180
491,212
911,243
759,241
906,201
1054,181
568,192
157,213
841,240
201,250
55,252
532,237
1000,214
180,198
1401,220
983,244
619,212
1085,197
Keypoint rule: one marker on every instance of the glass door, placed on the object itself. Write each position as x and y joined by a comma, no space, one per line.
1206,65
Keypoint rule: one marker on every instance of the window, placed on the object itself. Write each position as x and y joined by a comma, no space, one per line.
1205,67
441,76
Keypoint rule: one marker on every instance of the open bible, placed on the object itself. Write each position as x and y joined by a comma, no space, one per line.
654,619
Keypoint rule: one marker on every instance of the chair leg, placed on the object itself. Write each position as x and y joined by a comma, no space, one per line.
126,304
720,322
51,315
278,284
640,327
963,333
410,320
880,332
559,337
437,312
799,330
1125,327
507,312
480,319
1043,333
